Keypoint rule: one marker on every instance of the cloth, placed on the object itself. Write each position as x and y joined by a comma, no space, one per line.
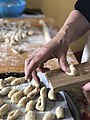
84,7
86,51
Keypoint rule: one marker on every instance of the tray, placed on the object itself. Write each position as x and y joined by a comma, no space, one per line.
71,105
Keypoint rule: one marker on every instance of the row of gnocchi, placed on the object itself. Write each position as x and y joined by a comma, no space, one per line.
12,81
25,99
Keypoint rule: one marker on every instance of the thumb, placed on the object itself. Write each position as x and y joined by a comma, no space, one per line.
63,63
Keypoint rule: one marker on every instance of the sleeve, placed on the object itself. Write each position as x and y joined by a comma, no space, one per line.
84,7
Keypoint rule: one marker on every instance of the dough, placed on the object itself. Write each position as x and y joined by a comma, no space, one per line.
30,105
33,93
40,103
14,114
9,79
51,95
30,115
28,89
5,91
22,102
73,70
4,109
1,83
13,91
1,102
49,116
17,50
43,91
16,97
18,81
59,112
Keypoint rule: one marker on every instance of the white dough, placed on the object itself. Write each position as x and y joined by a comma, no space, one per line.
18,81
59,112
1,83
30,115
4,109
28,89
14,114
30,105
16,97
13,91
73,70
49,116
51,95
22,102
9,79
5,91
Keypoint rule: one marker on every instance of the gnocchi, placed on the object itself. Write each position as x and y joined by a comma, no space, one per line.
13,91
30,105
4,109
14,114
1,83
5,91
51,95
28,89
30,115
59,112
16,97
49,116
9,79
1,102
22,102
18,81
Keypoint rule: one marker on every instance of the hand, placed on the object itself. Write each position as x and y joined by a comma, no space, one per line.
54,49
86,87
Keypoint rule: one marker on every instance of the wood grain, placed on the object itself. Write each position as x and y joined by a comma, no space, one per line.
61,81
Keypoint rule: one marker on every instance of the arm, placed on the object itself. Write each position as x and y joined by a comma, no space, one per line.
74,27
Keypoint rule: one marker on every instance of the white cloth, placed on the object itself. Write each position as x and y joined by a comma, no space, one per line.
86,51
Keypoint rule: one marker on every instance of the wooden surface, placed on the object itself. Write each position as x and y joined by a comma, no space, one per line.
61,81
10,62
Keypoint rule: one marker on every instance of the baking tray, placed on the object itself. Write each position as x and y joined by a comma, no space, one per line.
73,108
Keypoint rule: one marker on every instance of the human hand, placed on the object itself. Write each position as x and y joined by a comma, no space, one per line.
86,87
54,49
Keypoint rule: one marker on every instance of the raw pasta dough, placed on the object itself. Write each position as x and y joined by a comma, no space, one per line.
16,97
4,109
73,70
49,116
1,83
30,115
14,114
51,95
5,91
30,105
22,102
59,112
18,81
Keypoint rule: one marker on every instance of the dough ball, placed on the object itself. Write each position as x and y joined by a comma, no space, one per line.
5,91
30,105
13,91
22,102
59,112
51,95
30,115
4,109
49,116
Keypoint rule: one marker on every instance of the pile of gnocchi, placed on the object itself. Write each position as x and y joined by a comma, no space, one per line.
32,99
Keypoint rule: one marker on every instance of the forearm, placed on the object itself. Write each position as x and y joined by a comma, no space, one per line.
74,27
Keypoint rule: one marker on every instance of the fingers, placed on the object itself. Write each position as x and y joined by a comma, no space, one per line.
63,63
33,62
35,76
86,87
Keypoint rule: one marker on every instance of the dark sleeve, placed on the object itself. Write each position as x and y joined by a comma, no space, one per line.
84,7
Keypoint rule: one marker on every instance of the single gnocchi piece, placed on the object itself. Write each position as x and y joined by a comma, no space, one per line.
9,79
59,112
30,105
1,102
18,50
73,70
4,109
18,81
2,84
43,91
49,116
16,97
14,114
28,89
5,91
22,102
30,115
51,95
40,103
13,91
33,93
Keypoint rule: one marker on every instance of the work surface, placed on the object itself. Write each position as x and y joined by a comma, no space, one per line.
11,62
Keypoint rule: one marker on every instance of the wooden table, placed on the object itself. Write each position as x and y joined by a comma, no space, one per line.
10,62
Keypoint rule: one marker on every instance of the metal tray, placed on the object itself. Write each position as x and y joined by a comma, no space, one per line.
73,108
